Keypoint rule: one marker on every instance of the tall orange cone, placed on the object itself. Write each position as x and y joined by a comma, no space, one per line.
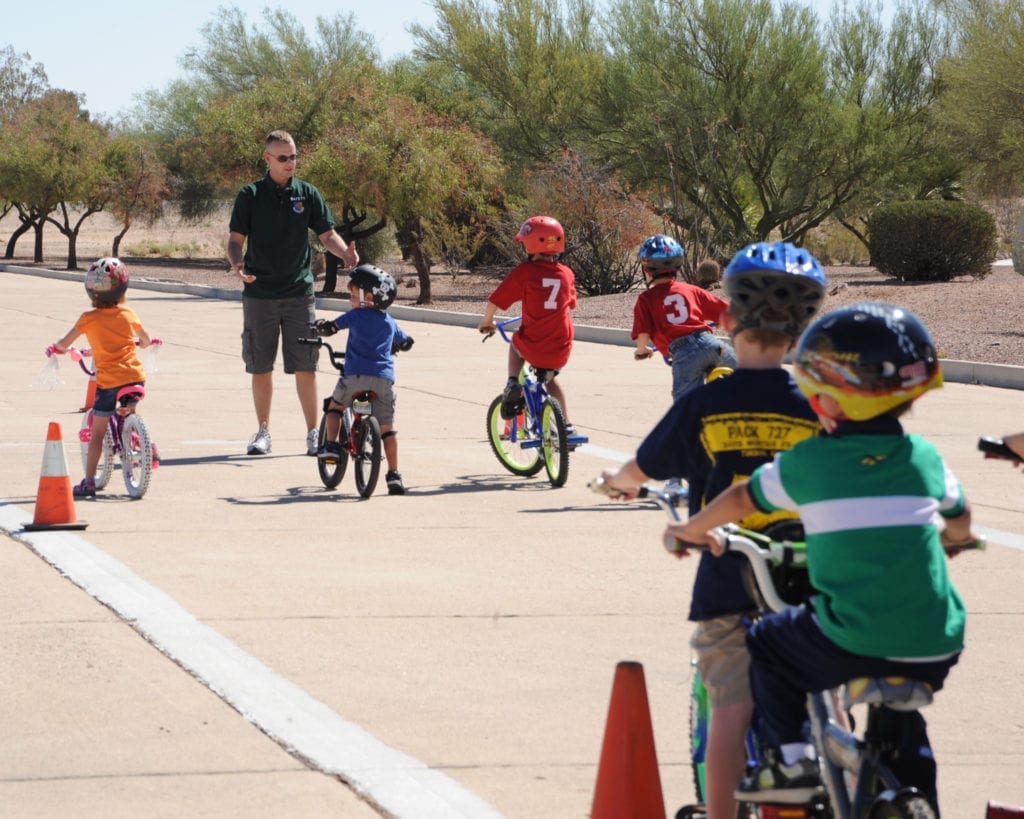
90,394
628,784
55,505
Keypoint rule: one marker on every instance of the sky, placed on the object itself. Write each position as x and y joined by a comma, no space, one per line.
112,50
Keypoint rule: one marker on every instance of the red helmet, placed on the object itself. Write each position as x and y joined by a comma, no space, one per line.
542,234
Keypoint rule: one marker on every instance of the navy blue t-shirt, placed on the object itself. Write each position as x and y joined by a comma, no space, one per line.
714,437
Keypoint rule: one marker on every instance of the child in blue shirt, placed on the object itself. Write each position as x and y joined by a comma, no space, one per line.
373,338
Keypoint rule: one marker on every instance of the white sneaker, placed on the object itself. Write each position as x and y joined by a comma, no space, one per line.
260,443
313,442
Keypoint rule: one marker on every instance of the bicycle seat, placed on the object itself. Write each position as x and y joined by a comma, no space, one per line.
131,394
897,693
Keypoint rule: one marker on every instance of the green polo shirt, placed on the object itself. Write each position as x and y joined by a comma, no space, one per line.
276,222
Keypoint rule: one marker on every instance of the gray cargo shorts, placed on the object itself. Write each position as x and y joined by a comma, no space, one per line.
264,321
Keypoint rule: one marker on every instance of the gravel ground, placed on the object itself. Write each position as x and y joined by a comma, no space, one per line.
970,319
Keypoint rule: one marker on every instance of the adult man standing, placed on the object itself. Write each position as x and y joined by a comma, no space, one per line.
275,215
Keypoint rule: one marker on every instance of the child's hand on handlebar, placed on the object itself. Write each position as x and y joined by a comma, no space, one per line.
686,536
325,327
640,355
613,485
487,328
54,349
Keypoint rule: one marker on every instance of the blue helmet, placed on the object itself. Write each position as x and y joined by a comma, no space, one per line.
661,254
778,286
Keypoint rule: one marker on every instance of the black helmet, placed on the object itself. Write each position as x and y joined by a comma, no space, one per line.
870,357
778,286
373,280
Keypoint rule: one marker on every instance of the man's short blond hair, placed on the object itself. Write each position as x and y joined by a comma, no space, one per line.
278,136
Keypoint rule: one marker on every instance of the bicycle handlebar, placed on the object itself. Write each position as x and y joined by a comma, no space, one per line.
997,448
501,325
337,356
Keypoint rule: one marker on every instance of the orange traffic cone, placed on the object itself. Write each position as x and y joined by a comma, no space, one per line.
90,394
997,810
55,505
628,784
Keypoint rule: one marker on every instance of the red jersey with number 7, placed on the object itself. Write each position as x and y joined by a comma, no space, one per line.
667,311
548,293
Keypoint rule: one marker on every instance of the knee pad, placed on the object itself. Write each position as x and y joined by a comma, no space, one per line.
385,435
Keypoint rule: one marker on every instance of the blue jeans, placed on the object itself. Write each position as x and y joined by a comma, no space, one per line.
693,356
791,656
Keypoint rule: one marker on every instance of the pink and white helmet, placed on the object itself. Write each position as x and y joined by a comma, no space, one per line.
107,279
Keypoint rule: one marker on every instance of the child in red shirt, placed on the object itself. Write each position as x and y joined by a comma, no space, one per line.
547,290
674,316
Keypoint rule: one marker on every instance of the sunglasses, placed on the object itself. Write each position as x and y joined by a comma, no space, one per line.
282,158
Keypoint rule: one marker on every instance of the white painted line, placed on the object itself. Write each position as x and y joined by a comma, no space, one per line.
1010,539
397,784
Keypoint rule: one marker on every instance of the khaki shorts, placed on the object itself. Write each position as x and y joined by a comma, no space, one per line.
265,321
383,406
723,660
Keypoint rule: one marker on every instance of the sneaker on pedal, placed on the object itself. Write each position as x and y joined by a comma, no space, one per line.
331,452
394,482
512,400
86,489
313,443
774,781
260,443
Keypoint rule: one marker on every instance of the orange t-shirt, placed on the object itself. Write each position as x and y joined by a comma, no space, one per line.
111,332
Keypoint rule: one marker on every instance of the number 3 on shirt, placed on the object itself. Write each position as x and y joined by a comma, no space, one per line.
677,311
551,303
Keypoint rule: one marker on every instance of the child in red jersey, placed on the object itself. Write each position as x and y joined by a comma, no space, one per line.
547,290
674,316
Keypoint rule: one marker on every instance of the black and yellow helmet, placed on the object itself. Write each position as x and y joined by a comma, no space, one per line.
870,357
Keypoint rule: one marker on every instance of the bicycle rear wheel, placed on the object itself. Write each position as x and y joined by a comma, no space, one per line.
105,467
554,442
331,473
512,455
368,457
136,455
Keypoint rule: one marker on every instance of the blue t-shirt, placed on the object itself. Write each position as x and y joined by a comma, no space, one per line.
371,335
714,437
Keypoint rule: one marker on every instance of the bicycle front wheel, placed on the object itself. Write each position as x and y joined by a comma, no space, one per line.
554,442
368,457
136,455
331,473
518,457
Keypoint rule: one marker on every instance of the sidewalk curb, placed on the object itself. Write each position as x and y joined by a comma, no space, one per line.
1006,376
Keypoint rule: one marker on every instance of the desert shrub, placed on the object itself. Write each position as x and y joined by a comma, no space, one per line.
932,240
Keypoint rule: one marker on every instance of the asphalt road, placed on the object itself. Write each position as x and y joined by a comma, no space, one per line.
243,642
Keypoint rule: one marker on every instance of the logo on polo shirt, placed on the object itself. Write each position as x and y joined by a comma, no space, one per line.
298,204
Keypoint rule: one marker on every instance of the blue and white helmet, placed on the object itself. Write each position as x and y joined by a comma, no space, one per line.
778,286
661,254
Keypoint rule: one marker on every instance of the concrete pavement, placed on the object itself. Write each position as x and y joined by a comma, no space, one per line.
450,650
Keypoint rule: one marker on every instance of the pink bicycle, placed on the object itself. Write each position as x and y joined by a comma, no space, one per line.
127,437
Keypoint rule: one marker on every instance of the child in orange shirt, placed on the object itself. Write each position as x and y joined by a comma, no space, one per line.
112,329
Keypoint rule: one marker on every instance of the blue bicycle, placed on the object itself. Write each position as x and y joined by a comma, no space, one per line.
536,437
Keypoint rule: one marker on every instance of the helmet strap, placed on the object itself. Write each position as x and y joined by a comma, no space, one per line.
829,418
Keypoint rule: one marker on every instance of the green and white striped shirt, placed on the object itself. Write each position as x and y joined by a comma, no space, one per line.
871,505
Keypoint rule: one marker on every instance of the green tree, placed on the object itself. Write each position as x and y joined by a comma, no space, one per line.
983,98
138,185
529,66
55,160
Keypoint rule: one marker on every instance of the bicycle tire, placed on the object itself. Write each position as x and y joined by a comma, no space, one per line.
136,455
515,458
367,466
331,474
105,466
554,442
903,806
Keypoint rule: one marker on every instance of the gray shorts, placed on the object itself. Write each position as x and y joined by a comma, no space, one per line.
723,659
383,408
264,321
